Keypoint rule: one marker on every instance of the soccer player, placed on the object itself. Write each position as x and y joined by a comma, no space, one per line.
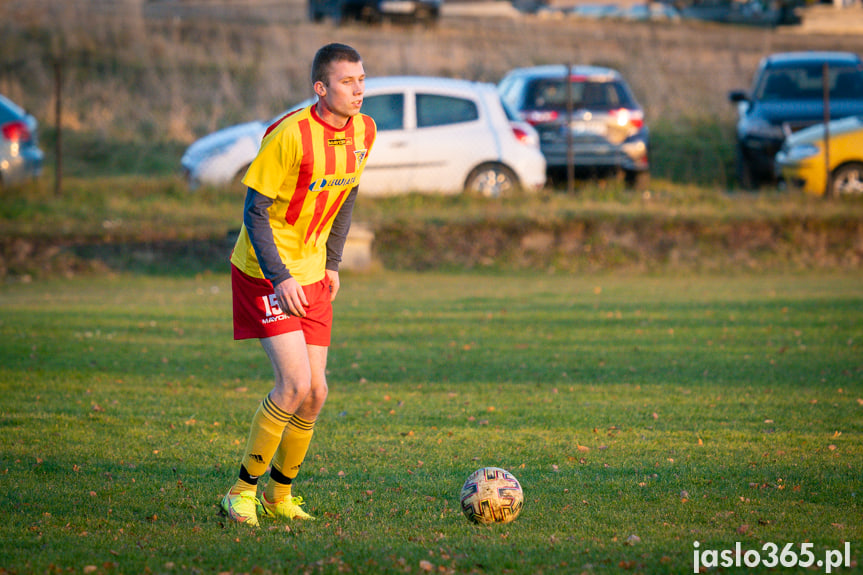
284,272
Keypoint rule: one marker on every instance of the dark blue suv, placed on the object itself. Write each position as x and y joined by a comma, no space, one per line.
788,95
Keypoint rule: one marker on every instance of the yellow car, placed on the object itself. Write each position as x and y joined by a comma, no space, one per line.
801,161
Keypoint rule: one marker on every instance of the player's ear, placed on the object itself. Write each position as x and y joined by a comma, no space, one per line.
320,89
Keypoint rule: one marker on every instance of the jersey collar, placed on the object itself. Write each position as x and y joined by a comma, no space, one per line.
326,125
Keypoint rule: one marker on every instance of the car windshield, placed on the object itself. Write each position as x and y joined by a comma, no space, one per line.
807,83
550,94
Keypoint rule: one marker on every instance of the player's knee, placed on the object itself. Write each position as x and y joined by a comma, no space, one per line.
321,392
294,389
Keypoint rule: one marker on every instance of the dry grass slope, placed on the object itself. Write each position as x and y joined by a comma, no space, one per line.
174,70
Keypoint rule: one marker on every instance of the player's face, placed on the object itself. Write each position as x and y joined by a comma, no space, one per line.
342,97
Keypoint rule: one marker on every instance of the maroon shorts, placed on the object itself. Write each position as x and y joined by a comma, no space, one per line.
257,313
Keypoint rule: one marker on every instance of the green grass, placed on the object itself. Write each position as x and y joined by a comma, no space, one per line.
640,415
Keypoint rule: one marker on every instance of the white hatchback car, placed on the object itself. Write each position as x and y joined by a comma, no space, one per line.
434,135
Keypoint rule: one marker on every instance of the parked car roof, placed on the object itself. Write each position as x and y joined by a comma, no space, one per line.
782,59
558,70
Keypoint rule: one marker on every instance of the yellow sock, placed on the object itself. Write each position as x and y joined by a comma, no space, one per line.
276,491
241,486
264,437
289,456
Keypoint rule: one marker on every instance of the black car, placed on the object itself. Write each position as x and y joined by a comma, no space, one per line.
788,95
427,11
606,131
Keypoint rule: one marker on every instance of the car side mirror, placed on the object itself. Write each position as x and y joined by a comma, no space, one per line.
737,96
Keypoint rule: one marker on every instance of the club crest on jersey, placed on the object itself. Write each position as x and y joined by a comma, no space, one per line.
340,141
360,155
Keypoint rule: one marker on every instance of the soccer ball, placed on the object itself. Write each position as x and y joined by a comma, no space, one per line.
491,495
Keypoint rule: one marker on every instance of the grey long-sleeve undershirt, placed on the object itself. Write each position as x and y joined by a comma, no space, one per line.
257,222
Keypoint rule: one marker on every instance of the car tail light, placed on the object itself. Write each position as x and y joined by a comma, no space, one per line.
16,131
625,117
524,137
534,117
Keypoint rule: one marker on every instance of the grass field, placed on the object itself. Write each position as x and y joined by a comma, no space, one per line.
640,414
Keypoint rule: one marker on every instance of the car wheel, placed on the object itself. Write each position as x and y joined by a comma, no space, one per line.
491,181
847,180
745,176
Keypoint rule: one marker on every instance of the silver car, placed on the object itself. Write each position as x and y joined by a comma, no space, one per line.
434,135
20,156
606,131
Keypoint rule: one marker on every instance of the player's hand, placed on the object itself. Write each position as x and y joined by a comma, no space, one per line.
292,298
333,278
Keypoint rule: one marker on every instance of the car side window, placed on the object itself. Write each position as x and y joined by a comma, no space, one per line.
435,110
387,110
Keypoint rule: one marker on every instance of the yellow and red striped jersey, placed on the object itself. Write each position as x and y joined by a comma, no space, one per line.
308,168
